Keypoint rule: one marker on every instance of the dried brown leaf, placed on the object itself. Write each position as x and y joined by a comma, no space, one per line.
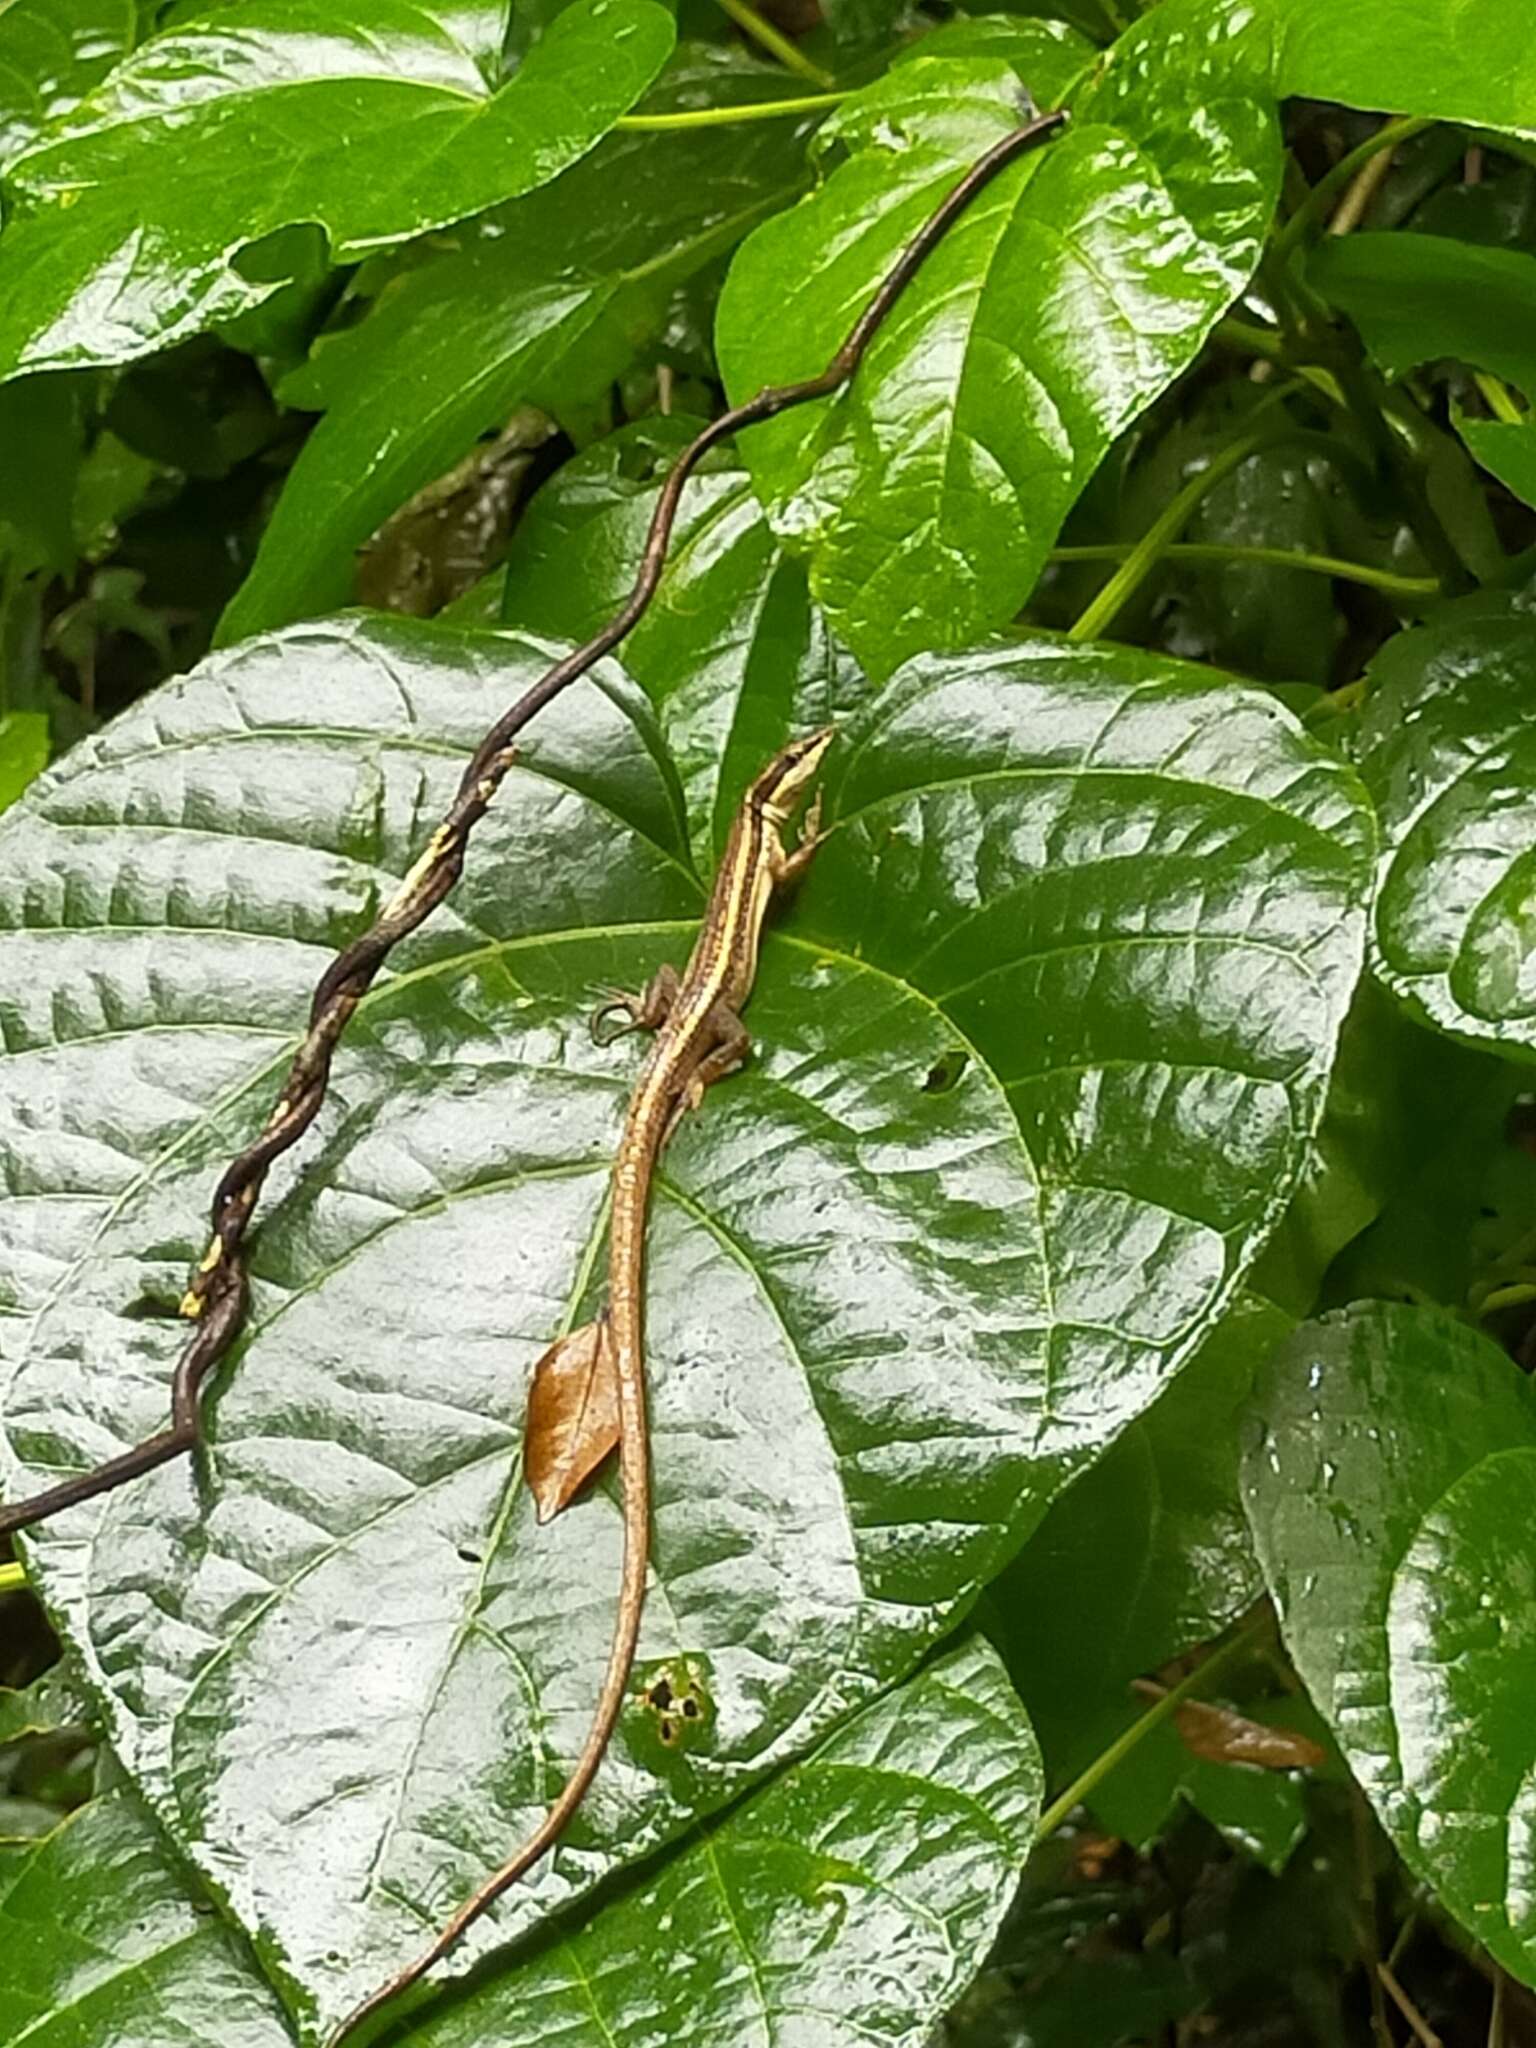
573,1416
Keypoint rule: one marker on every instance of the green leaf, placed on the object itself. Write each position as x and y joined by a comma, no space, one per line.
1507,449
106,1942
857,1892
1278,623
1447,747
23,752
1416,297
1041,1043
1071,292
545,303
1262,1811
40,432
1465,62
129,216
1390,1492
1046,56
1146,1556
1398,1093
51,53
1458,1229
732,653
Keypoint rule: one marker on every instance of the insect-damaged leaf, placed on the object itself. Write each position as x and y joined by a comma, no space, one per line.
864,1883
1039,1047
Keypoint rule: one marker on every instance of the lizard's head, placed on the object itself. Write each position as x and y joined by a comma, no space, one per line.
784,781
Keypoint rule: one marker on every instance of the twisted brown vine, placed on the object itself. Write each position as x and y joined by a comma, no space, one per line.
216,1298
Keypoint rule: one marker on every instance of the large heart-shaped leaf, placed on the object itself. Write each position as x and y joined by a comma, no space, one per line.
732,653
1070,293
546,302
1447,747
1041,1047
1390,1492
129,214
855,1895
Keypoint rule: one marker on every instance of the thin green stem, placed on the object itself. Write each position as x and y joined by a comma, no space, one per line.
1248,338
1367,400
724,117
12,1578
1516,1295
777,44
1142,559
1388,136
1155,1715
1409,587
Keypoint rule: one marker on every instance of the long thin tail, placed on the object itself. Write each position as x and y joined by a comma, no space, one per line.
635,1468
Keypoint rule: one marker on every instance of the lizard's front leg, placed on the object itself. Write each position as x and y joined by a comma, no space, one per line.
732,1043
647,1011
790,867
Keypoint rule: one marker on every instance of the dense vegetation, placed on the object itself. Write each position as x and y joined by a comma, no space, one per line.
1091,1341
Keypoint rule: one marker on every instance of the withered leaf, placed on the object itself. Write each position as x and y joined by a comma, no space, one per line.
1219,1735
573,1416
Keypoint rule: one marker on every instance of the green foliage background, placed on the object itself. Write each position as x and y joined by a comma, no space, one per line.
1110,1285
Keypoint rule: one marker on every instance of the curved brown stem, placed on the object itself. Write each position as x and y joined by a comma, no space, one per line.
216,1298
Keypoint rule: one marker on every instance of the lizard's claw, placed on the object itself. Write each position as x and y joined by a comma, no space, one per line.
615,1017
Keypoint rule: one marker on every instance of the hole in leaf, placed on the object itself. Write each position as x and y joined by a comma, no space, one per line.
945,1072
152,1308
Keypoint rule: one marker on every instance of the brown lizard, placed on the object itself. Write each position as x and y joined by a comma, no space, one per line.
588,1389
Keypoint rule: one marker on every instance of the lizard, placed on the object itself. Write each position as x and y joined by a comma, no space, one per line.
699,1039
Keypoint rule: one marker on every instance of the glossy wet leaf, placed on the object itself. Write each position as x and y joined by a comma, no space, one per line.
1147,1556
732,653
1390,1487
1071,293
1447,746
855,1894
106,1942
129,215
51,53
1416,297
545,303
1039,1048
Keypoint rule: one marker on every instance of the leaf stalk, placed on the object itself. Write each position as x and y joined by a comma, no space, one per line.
1163,1709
